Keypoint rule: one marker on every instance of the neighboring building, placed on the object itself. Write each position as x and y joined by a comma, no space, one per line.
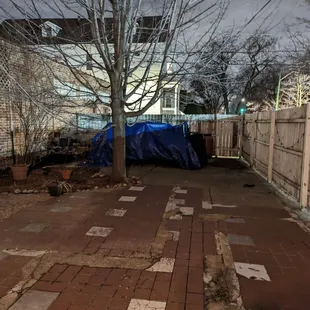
50,89
82,54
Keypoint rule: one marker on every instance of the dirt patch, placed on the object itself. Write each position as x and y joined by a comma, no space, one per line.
231,164
11,203
82,178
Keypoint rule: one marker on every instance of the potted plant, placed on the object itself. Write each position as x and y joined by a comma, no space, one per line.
65,174
19,172
56,188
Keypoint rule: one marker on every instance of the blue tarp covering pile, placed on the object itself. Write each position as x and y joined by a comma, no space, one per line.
147,142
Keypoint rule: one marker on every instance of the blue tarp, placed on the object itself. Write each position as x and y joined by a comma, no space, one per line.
147,142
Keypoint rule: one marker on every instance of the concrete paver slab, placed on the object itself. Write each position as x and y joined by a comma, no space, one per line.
96,231
116,212
35,300
240,240
177,217
179,201
164,265
235,220
187,210
137,188
252,271
34,227
24,252
140,304
180,191
128,198
61,209
175,235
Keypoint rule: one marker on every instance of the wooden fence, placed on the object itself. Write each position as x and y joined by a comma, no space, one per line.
277,144
226,133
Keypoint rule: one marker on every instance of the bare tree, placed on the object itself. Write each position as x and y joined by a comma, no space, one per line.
263,92
215,64
38,99
134,53
24,85
230,72
258,56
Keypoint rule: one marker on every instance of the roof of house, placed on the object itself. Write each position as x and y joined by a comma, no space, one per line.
76,30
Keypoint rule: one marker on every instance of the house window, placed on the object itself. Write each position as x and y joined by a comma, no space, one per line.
104,97
87,94
169,68
168,98
48,31
64,89
89,62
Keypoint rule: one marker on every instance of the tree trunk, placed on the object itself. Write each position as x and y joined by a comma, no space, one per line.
119,142
226,103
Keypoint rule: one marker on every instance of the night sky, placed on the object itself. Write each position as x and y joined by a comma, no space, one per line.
284,13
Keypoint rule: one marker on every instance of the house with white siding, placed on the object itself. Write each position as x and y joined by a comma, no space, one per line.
69,41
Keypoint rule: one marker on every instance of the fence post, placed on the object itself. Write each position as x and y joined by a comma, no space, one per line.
240,136
271,145
305,162
253,138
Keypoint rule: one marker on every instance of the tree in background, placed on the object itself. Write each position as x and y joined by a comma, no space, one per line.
258,57
240,69
211,81
262,96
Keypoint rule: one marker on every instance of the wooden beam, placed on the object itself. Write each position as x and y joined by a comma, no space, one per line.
253,138
305,163
271,145
297,120
217,138
240,136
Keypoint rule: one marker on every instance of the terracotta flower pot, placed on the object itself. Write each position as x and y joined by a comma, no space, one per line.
65,174
19,172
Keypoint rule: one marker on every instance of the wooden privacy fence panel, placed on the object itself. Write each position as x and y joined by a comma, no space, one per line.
228,137
226,133
277,145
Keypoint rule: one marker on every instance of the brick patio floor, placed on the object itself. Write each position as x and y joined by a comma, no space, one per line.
141,248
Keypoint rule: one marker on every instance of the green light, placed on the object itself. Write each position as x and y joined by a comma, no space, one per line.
242,111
